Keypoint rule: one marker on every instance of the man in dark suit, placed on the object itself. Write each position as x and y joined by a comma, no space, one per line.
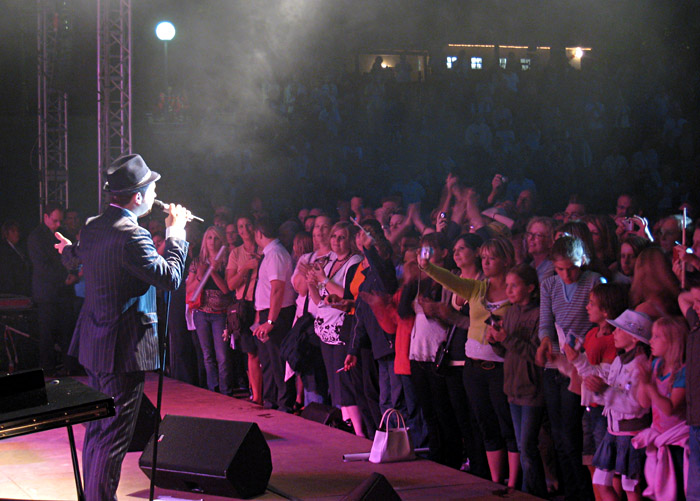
115,337
52,291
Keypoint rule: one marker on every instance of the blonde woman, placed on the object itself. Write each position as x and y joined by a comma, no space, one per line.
210,313
483,370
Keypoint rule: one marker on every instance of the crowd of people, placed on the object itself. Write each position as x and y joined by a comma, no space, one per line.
620,123
547,353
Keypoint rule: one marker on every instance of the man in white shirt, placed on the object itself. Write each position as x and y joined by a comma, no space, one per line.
274,306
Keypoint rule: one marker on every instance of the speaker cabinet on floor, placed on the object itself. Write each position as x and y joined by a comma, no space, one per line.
145,424
210,456
374,488
325,414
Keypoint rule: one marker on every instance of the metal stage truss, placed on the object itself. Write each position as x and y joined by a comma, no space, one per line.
53,50
113,83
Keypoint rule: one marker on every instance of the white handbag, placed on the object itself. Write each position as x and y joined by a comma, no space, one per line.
391,444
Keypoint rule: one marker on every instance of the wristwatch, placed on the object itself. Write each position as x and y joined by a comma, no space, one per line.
271,322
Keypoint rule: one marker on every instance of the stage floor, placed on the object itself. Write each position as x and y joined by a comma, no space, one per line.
306,456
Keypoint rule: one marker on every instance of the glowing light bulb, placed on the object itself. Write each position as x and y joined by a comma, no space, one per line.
165,31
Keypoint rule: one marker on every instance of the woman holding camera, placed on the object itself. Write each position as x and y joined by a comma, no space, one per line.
327,285
427,303
483,370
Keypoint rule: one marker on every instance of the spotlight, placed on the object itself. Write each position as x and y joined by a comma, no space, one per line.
165,31
578,52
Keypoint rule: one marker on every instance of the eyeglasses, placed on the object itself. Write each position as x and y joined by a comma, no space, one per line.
540,236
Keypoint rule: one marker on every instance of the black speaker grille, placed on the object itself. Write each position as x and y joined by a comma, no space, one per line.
212,456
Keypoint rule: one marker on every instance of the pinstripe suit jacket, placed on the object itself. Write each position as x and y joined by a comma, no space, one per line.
117,330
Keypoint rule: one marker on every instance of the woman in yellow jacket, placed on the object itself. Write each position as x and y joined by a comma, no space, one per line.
483,371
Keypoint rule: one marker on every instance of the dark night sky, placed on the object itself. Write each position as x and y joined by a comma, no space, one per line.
225,47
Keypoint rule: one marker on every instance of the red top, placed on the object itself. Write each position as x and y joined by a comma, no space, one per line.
599,349
388,317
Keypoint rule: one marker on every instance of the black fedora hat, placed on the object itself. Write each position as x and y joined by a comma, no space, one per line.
129,173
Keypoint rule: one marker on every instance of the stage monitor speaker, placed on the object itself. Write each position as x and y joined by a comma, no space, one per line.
374,488
325,414
145,424
210,456
21,390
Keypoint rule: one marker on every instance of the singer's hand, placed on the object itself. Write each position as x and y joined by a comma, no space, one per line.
177,216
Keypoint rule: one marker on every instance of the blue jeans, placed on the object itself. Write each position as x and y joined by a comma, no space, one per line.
694,465
526,422
392,395
389,386
216,352
415,419
565,414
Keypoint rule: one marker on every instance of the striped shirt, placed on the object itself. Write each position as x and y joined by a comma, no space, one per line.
570,315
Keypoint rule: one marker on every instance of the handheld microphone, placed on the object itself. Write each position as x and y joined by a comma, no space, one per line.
164,207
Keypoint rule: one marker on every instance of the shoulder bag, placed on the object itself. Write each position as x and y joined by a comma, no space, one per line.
241,314
300,347
442,356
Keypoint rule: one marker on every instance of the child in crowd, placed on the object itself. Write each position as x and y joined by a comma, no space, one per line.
662,385
606,301
517,341
616,461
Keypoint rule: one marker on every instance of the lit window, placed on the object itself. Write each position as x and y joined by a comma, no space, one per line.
502,61
450,61
525,63
477,62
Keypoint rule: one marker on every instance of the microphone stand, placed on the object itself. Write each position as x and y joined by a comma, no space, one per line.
159,400
161,370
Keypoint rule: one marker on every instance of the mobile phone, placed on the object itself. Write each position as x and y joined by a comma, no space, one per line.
573,341
426,252
628,224
443,215
688,250
494,321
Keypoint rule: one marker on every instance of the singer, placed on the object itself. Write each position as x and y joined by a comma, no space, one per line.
116,338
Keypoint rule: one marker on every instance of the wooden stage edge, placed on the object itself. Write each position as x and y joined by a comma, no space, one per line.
306,457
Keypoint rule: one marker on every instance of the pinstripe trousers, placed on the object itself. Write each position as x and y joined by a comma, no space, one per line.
107,440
